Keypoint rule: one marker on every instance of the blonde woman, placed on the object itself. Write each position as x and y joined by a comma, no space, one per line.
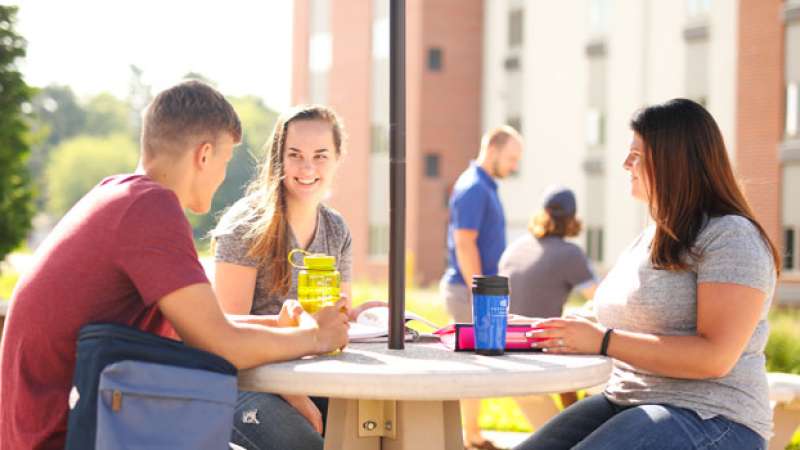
283,209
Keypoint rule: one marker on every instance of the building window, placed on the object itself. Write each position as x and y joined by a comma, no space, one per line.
599,16
515,27
511,63
379,138
698,8
792,76
515,123
320,50
792,111
696,74
596,101
380,29
435,59
378,244
600,244
790,215
594,243
432,165
595,128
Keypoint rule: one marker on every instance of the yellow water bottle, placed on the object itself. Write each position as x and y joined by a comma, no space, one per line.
317,281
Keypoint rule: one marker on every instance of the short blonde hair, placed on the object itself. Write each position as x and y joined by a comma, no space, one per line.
498,137
542,224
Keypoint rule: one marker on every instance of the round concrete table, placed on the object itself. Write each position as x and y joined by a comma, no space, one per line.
407,399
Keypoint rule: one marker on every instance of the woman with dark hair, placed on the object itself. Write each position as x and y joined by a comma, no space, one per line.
683,311
282,210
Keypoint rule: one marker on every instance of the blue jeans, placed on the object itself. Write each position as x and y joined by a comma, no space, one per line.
266,422
597,424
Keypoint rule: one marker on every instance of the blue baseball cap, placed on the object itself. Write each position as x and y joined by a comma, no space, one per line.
559,201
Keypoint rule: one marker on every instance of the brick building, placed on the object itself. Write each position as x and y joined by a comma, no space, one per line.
341,58
568,75
768,125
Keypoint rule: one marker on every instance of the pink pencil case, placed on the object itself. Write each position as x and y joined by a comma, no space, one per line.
461,337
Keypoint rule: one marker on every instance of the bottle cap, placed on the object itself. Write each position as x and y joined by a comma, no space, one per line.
320,261
313,261
490,285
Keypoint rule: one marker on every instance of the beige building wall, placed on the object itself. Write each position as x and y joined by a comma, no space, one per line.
588,66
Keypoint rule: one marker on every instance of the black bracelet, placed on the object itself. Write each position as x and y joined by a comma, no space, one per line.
604,345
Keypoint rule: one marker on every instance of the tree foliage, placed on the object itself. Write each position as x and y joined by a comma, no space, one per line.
56,109
78,164
57,116
16,194
106,115
85,141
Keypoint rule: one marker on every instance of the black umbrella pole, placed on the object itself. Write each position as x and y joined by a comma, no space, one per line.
397,174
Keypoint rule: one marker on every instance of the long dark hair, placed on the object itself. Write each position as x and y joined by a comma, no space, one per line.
265,214
689,177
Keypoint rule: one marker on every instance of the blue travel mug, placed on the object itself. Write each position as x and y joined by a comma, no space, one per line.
490,313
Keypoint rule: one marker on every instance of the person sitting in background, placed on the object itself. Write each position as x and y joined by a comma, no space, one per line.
683,312
543,269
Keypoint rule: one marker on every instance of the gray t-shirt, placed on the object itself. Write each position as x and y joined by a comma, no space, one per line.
331,237
542,272
638,298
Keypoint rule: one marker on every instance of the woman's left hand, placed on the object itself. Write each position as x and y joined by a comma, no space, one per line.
290,314
307,409
569,334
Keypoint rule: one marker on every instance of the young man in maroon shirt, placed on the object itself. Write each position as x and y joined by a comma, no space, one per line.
124,254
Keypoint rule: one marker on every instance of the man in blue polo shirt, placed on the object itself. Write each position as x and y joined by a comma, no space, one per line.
476,237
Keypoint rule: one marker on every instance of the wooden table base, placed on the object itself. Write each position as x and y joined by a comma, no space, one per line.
421,425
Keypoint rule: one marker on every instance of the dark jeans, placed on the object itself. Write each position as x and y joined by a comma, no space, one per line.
597,424
266,422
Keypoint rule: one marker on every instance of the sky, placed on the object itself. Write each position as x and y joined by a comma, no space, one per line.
245,46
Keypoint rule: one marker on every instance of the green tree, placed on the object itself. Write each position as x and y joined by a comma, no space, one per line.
106,115
55,115
55,108
78,164
140,94
16,194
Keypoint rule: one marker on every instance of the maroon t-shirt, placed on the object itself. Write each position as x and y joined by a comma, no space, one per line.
119,250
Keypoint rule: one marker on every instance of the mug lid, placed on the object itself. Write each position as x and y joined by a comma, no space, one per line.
490,281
